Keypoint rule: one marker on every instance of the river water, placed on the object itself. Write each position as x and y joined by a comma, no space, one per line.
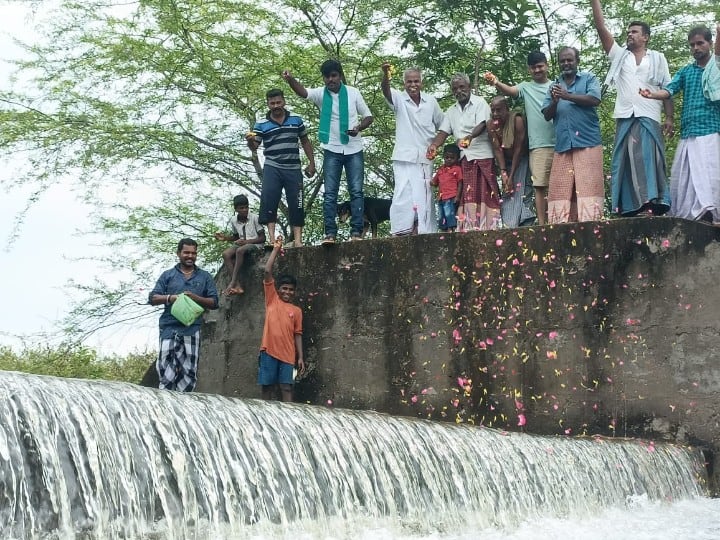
95,460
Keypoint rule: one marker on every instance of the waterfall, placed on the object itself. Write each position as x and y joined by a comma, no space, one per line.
84,459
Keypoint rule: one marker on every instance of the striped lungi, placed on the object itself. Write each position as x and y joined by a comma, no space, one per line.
639,176
577,190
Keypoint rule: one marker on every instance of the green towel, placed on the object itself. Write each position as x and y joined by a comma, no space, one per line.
326,113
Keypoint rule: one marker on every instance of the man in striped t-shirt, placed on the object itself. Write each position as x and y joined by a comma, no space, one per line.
280,133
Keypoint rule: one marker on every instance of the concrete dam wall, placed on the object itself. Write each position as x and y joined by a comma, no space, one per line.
601,328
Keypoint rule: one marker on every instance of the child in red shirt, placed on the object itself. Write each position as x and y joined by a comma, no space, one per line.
449,180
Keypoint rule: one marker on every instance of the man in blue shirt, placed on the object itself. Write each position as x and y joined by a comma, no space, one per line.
179,344
279,134
576,179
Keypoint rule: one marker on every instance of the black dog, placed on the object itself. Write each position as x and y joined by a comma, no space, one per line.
376,211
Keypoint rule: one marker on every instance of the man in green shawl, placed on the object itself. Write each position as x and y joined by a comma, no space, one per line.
343,115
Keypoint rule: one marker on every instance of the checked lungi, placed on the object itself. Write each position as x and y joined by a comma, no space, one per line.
481,195
577,188
178,361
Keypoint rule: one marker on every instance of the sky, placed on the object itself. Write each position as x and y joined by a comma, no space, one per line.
38,264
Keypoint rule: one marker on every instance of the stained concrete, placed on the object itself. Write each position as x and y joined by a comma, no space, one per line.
607,328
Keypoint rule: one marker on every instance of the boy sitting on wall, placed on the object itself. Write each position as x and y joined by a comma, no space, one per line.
281,346
247,236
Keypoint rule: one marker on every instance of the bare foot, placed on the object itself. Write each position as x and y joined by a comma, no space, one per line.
233,289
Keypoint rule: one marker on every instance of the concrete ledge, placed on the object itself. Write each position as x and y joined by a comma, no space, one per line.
606,328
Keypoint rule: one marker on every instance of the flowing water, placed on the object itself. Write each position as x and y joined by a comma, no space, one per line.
81,459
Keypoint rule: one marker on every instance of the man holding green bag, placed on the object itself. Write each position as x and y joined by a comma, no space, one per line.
186,291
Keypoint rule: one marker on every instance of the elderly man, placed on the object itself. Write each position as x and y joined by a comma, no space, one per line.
576,178
417,119
695,191
179,355
343,115
639,182
467,121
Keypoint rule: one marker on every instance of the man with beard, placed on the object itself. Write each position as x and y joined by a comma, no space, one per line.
541,134
576,178
280,133
695,191
417,118
177,361
467,122
639,177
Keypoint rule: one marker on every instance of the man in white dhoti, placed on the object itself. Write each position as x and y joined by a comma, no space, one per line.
417,118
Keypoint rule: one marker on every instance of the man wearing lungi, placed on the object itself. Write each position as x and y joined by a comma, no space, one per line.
417,118
639,182
576,179
179,354
695,187
467,122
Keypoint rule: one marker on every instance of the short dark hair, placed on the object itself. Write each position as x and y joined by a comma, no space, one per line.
328,66
567,48
701,30
451,149
274,92
286,279
642,24
240,200
186,242
536,57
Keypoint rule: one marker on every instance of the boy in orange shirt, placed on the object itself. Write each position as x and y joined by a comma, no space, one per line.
281,344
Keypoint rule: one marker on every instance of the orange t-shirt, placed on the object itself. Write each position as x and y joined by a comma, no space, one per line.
282,322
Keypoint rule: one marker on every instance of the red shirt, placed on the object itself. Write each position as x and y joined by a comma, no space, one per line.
448,178
282,322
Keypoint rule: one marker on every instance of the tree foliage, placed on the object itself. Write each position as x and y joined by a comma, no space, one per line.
146,104
75,362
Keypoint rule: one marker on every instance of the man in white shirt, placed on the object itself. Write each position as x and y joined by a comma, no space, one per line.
639,182
467,121
417,118
343,115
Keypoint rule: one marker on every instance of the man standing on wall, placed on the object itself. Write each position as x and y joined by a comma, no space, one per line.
177,361
417,118
343,115
639,182
280,134
695,188
467,122
541,133
576,178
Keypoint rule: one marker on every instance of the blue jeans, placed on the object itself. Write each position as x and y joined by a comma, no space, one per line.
446,214
333,164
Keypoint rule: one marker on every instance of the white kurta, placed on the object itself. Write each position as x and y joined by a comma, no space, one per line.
415,128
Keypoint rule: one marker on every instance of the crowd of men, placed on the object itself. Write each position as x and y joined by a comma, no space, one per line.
552,153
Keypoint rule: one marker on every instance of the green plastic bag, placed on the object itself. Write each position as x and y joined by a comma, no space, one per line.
186,310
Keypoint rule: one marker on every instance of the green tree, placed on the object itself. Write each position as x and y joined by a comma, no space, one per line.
146,105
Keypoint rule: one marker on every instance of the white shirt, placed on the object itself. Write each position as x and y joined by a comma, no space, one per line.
460,122
415,125
248,230
356,106
631,78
